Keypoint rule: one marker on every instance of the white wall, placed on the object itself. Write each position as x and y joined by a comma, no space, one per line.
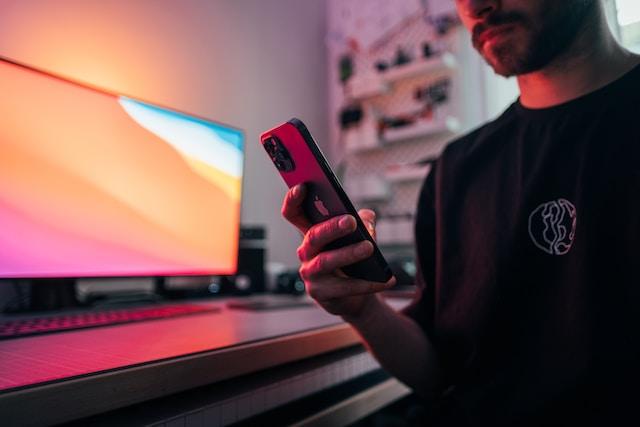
500,92
249,63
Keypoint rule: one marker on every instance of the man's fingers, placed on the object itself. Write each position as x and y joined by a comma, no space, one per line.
329,261
336,288
368,217
319,235
292,208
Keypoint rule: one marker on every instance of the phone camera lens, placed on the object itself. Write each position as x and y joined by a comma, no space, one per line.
269,145
279,154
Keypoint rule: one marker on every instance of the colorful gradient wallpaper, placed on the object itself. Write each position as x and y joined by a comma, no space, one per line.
94,184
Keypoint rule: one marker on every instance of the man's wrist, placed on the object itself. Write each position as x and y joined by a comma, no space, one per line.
370,307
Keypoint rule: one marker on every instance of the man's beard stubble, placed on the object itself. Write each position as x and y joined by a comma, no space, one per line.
543,43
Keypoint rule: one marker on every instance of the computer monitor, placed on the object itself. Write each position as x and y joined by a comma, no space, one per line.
96,184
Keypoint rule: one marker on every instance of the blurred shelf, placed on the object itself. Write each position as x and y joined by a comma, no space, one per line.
420,67
421,129
371,85
359,149
406,173
375,84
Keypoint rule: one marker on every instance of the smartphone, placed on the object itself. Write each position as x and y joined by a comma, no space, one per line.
300,161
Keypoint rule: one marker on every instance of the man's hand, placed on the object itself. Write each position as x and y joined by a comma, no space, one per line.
325,282
397,342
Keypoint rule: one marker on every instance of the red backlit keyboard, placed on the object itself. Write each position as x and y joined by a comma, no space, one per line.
65,322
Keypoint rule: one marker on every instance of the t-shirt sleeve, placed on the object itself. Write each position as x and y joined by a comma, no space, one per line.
421,308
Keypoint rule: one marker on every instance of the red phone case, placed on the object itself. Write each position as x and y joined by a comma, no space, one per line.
301,161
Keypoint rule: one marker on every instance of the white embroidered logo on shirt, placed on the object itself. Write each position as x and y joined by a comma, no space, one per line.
552,226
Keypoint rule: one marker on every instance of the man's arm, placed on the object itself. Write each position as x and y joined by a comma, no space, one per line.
399,344
396,340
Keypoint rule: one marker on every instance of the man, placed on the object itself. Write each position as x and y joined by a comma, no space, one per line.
528,310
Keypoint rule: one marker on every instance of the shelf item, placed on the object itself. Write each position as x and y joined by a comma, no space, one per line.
407,172
395,231
368,189
362,138
421,129
371,84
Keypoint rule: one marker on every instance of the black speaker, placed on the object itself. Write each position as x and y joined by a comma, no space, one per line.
251,259
290,282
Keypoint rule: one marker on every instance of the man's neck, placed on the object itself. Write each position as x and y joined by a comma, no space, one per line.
594,60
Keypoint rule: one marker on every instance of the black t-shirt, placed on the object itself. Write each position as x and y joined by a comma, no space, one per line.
528,244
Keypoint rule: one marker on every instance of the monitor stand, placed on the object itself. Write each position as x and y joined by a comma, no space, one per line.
65,294
52,294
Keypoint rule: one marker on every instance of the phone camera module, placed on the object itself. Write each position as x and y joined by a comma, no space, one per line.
279,154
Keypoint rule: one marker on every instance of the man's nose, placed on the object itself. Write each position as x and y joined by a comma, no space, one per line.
477,9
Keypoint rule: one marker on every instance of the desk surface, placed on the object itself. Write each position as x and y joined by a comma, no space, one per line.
39,359
100,369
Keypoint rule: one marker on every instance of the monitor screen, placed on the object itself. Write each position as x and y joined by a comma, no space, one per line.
95,184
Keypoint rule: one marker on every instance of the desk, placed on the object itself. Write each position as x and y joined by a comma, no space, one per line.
68,376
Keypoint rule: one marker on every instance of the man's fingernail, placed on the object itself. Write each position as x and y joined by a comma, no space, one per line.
364,248
296,191
346,222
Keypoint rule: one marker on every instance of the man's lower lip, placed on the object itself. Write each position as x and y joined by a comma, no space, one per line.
495,34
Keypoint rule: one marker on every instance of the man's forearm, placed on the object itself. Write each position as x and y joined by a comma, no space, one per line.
399,344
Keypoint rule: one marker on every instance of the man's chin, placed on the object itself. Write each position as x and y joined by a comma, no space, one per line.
504,62
502,70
